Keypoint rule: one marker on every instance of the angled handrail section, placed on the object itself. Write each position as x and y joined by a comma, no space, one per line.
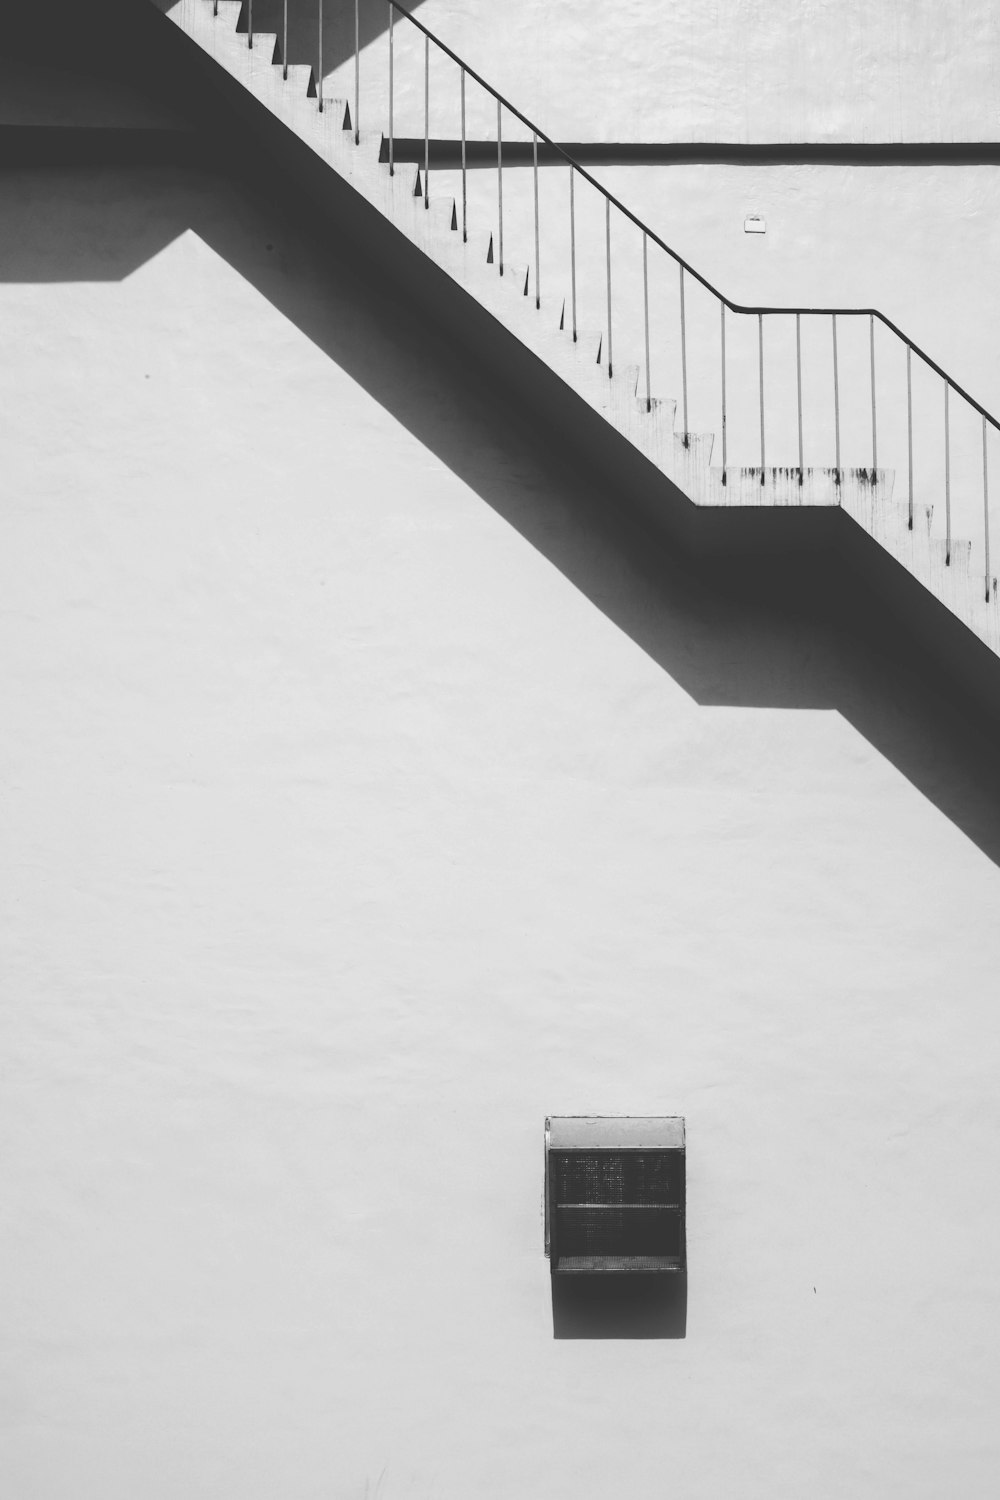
954,464
735,307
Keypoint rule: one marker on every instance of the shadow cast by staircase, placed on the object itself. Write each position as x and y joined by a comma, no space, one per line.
781,632
764,636
303,26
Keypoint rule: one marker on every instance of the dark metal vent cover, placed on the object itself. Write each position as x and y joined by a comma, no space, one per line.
615,1194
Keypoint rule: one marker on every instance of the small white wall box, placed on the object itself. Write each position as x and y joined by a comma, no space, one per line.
754,224
615,1194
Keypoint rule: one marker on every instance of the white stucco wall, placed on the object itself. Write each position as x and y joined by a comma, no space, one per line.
742,71
363,803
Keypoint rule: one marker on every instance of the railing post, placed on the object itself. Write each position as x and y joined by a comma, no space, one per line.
909,433
572,245
284,39
607,248
319,85
538,265
499,189
798,380
249,23
722,309
357,74
427,120
465,224
836,401
760,352
684,363
986,512
392,160
871,334
645,310
947,481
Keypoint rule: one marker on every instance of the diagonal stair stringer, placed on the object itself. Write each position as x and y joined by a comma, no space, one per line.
424,259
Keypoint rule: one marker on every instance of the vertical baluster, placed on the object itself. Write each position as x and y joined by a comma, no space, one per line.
500,188
319,86
871,335
760,352
725,451
427,121
684,361
645,310
572,245
836,401
465,223
284,39
947,481
538,265
909,433
249,23
357,73
986,512
392,159
607,250
215,7
798,379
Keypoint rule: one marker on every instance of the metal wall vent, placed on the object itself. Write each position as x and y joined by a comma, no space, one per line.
614,1194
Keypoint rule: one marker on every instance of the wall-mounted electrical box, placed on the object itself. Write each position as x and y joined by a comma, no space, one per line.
754,224
615,1194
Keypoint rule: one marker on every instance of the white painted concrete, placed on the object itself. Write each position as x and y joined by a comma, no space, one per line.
347,833
743,71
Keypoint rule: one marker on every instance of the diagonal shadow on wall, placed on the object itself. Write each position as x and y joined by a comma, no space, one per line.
99,35
303,16
765,637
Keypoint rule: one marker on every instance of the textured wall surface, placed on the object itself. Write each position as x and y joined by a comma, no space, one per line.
735,70
369,793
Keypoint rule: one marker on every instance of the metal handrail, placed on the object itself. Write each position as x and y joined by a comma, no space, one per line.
736,307
758,311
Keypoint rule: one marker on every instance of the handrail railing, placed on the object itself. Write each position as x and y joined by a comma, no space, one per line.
686,270
736,307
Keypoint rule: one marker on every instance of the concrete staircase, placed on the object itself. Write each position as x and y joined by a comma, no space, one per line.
683,463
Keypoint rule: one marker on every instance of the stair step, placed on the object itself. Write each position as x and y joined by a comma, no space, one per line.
444,214
740,486
229,12
439,216
301,78
665,406
265,46
627,377
514,277
336,109
515,273
589,342
960,554
692,454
